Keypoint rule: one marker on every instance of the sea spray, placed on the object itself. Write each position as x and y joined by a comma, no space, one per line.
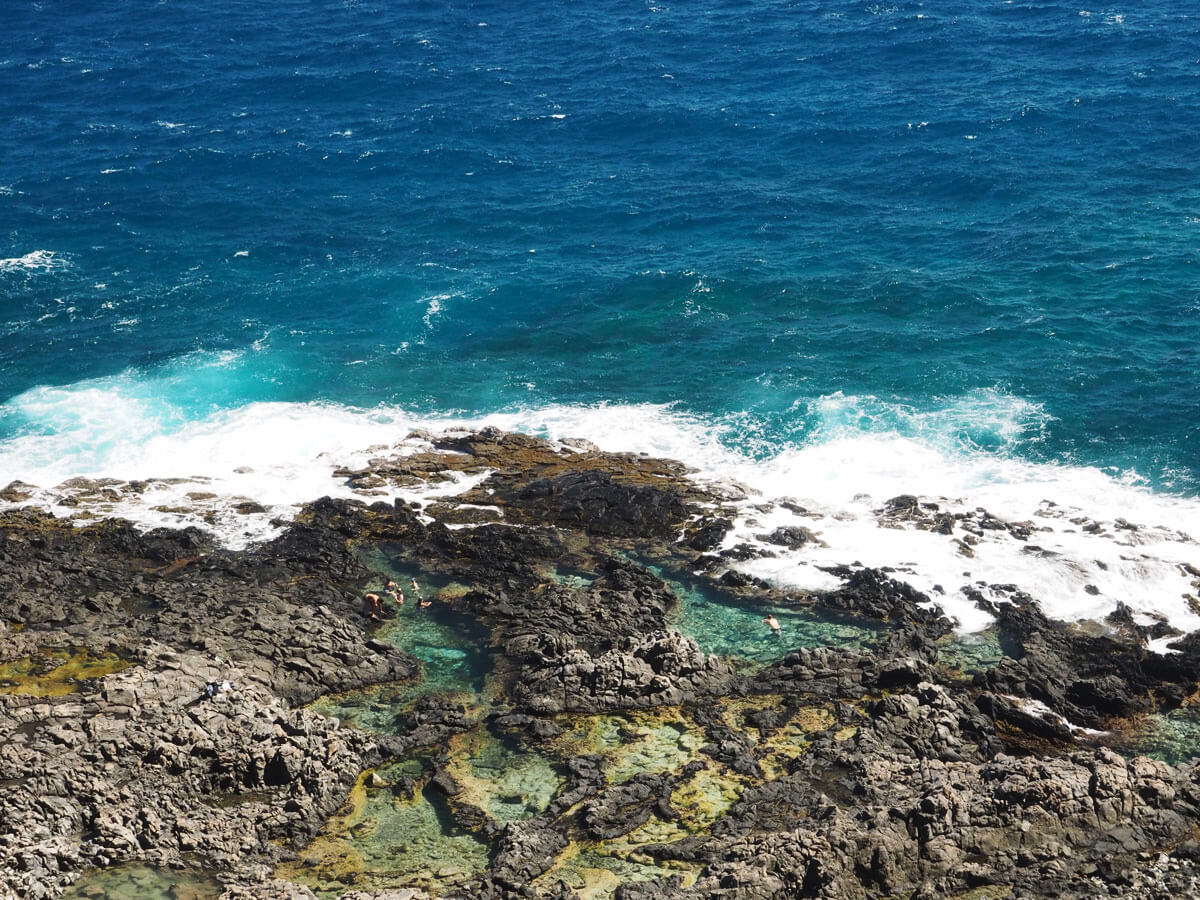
1092,539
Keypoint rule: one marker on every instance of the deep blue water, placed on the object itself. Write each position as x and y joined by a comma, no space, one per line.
975,222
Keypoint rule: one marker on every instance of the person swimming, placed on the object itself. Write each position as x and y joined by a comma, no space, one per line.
772,623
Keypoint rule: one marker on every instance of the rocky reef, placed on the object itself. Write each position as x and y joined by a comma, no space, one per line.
545,716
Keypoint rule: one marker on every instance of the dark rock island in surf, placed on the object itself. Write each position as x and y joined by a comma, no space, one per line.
598,753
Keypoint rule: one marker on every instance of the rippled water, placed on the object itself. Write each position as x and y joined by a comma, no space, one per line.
830,253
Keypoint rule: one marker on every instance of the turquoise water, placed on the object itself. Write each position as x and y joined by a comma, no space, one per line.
451,647
725,626
454,665
737,210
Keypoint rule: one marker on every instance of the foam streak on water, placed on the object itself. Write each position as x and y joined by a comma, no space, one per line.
1097,537
35,260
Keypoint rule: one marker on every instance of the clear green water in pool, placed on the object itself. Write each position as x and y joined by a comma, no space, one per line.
1172,737
387,841
453,664
390,561
724,625
570,577
506,783
971,654
142,883
450,646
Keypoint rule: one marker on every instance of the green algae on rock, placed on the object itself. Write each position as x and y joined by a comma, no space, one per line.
385,838
791,732
1173,737
634,742
57,672
596,872
508,783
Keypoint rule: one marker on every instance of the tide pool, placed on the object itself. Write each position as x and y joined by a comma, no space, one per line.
451,647
725,625
384,839
137,882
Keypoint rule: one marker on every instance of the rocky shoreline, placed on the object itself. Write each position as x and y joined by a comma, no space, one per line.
828,772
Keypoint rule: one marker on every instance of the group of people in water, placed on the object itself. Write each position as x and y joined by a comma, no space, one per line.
374,603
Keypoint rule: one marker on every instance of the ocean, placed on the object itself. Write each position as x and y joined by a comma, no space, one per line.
828,252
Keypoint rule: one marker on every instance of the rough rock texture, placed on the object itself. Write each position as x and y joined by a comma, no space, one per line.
829,773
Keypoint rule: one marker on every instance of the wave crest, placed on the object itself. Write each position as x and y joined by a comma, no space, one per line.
1078,539
34,261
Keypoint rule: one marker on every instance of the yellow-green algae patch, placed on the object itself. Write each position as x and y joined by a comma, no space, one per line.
142,883
56,673
635,742
506,783
775,748
987,892
706,797
594,871
657,741
383,841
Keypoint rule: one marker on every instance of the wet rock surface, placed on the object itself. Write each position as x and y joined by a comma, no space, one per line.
667,773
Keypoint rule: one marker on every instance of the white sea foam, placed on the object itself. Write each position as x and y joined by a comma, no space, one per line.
1042,711
1100,539
35,260
432,308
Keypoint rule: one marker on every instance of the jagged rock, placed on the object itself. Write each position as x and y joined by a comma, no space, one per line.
791,536
17,492
831,773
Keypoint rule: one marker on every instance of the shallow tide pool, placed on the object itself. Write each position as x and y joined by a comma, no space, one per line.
142,883
451,647
724,625
385,839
